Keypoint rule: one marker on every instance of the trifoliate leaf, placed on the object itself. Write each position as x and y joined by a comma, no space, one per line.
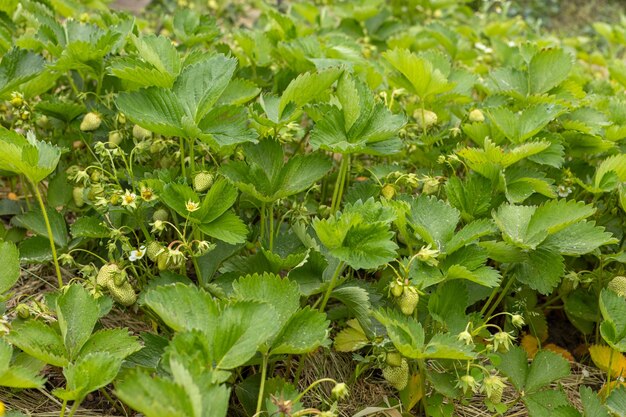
77,312
360,235
39,341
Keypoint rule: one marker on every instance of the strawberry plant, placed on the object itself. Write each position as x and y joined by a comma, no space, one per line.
310,209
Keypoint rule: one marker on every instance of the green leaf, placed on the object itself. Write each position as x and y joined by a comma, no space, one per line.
360,235
182,307
447,305
16,375
155,109
305,331
307,87
268,178
545,403
514,364
10,261
89,227
592,405
200,85
237,336
579,239
513,221
34,221
228,228
116,342
39,341
416,74
546,367
16,67
89,373
446,346
547,69
616,402
281,293
470,234
161,397
433,220
556,215
405,332
519,127
28,156
541,270
615,164
77,313
613,309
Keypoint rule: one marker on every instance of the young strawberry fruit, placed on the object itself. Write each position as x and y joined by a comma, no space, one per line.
493,386
160,215
394,359
618,285
426,118
476,116
397,376
91,121
107,274
153,250
388,191
202,181
162,261
115,138
141,133
123,294
408,301
396,287
78,196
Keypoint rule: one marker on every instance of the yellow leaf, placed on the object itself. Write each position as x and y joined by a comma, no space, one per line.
601,357
413,392
607,388
351,338
561,351
530,344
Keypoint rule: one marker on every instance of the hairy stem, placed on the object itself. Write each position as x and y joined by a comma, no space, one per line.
46,220
331,285
259,402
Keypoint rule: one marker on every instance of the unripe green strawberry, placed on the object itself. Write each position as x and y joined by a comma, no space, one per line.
162,261
123,294
107,274
160,214
426,118
95,176
115,138
22,311
388,191
396,287
91,121
397,376
493,386
141,133
408,301
78,196
618,285
394,359
153,250
202,181
476,116
431,186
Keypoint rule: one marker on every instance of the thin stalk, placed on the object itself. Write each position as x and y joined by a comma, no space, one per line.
181,145
299,369
262,225
63,407
259,402
489,300
344,181
192,155
503,294
271,216
422,368
339,183
50,235
331,285
74,408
